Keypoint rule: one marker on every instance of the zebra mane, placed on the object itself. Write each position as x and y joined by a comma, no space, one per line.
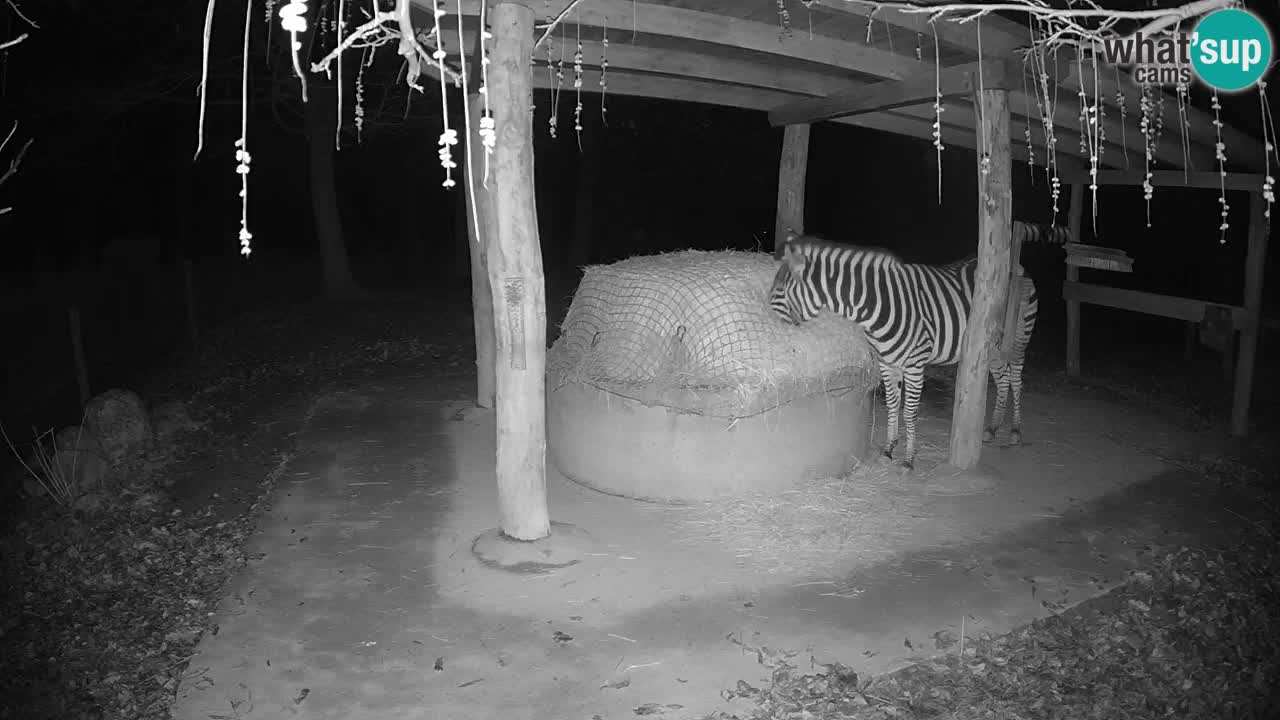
817,242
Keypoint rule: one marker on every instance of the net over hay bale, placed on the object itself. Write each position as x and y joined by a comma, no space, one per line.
673,380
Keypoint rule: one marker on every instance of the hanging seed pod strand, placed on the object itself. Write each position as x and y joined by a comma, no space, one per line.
604,70
1220,152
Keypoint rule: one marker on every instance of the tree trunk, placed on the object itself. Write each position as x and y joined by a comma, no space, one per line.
463,250
1254,272
517,284
321,112
1075,224
793,168
991,285
480,228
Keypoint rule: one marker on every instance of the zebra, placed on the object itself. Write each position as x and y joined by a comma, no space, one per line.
913,315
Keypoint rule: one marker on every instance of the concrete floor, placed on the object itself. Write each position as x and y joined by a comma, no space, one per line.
367,602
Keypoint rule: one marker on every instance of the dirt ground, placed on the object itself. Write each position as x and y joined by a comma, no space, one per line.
365,600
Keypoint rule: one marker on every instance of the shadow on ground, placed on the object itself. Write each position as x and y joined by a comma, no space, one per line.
367,603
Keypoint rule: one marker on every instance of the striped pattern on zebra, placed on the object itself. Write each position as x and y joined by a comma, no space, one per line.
913,316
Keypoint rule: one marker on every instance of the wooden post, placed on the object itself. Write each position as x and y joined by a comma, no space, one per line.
793,167
1254,265
1075,216
1011,302
77,352
995,240
189,288
463,240
516,281
1228,357
478,241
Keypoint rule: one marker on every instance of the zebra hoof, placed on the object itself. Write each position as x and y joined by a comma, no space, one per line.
1015,437
988,435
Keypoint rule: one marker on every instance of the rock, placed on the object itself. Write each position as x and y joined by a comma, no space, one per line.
119,420
90,502
80,458
170,417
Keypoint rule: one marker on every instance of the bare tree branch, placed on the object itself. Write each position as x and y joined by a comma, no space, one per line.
10,43
24,18
15,163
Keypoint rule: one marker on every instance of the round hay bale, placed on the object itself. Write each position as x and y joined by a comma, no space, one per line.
672,380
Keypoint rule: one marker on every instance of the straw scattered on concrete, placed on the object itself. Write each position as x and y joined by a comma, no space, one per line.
818,528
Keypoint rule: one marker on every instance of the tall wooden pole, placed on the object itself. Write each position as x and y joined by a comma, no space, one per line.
478,241
1254,265
995,240
516,282
1012,303
793,167
1075,216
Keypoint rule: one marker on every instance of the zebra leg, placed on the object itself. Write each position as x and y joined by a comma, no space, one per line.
913,383
1015,381
1000,376
892,380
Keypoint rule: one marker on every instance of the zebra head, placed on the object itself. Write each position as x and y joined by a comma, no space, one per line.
788,297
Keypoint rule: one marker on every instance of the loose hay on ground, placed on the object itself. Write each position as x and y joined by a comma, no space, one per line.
816,529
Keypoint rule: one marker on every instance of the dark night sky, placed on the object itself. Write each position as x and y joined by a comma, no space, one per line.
115,123
108,90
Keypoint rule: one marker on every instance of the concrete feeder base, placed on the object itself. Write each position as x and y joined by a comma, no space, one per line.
566,545
621,446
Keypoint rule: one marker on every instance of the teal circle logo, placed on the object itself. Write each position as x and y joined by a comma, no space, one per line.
1230,49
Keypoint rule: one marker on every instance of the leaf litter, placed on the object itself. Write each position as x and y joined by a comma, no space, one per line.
101,610
1196,635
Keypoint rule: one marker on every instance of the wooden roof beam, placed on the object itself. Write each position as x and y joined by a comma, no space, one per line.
787,84
701,27
1248,182
899,124
895,122
1068,146
713,93
696,27
1240,147
962,81
697,66
1000,36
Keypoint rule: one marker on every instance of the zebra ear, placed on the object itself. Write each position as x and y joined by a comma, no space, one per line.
792,256
780,248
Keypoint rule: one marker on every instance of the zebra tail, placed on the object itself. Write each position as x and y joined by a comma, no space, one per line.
1041,233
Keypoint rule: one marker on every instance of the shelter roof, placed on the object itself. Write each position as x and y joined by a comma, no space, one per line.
826,56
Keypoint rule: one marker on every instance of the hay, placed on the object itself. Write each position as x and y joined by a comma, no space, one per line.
819,528
692,330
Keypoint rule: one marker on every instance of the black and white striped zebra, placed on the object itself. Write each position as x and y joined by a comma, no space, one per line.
913,316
